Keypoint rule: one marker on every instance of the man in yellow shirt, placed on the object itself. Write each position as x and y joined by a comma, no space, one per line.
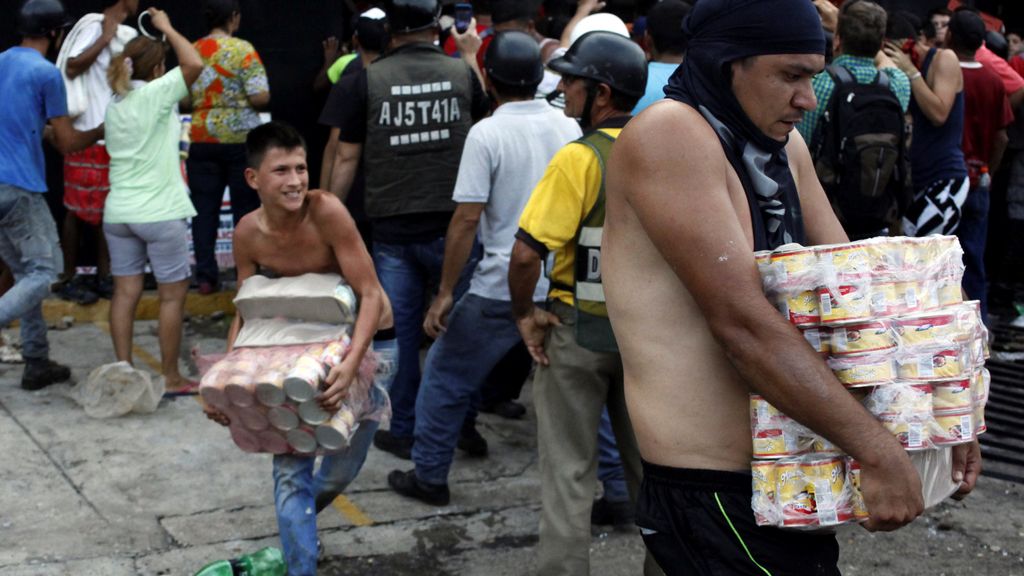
603,76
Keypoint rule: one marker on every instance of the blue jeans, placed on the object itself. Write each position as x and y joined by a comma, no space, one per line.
609,463
299,494
479,333
973,232
407,272
30,247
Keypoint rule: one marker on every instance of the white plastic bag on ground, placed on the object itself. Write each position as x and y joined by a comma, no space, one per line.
116,389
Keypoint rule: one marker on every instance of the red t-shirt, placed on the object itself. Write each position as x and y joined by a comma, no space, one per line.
486,35
1017,63
986,111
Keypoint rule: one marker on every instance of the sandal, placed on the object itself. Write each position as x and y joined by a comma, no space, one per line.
189,388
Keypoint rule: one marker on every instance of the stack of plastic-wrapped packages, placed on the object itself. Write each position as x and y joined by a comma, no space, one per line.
295,331
887,316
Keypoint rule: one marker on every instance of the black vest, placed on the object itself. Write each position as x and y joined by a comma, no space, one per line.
419,112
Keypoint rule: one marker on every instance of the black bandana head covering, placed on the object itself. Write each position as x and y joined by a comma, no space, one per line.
720,32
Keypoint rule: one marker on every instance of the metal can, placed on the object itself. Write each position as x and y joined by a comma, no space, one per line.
912,432
938,365
238,388
826,476
868,370
794,495
850,260
953,429
283,417
763,415
863,337
794,263
775,443
844,304
312,413
305,378
245,440
952,397
820,338
927,330
273,442
799,307
763,501
860,510
270,389
252,418
301,440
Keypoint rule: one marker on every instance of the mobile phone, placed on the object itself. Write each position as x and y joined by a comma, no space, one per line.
463,16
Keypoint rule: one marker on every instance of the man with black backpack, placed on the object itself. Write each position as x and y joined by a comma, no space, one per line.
858,134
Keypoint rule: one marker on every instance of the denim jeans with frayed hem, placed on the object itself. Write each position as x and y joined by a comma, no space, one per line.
30,247
299,493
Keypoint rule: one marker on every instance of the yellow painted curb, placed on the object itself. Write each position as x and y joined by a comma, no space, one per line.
149,307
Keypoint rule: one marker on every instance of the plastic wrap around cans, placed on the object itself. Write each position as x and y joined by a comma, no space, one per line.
863,337
775,443
912,434
793,496
239,390
764,415
283,417
273,442
301,387
252,418
928,330
846,303
907,399
826,478
799,307
269,388
763,498
951,429
794,264
978,413
860,510
980,381
820,338
214,396
867,370
245,440
335,435
952,397
312,413
301,440
936,365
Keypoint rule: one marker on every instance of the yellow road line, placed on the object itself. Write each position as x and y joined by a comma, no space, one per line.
138,352
349,510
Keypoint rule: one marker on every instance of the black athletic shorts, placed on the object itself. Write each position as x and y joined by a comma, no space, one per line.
699,523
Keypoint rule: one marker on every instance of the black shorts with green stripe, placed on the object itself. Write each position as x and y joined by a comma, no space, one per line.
699,523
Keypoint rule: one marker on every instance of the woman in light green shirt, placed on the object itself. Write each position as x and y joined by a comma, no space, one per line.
144,216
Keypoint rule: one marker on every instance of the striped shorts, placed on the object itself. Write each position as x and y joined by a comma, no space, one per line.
87,182
936,208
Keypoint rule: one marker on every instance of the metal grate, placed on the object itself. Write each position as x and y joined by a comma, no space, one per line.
1002,447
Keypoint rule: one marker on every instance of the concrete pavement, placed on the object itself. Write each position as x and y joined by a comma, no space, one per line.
165,493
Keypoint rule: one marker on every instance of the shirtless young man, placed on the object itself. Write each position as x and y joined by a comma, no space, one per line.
294,232
695,331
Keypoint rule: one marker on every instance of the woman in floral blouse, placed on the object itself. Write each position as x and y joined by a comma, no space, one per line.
225,103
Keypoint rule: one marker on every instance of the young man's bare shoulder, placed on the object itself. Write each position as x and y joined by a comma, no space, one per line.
325,209
669,138
249,225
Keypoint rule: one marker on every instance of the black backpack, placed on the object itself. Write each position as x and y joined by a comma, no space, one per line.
861,156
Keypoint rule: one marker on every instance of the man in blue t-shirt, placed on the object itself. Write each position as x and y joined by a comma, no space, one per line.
35,107
666,45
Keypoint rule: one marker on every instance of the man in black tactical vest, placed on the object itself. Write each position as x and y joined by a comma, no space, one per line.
603,76
406,120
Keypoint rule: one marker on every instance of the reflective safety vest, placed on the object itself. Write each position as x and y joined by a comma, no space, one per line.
593,329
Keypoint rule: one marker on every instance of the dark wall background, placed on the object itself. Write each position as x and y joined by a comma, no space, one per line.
286,33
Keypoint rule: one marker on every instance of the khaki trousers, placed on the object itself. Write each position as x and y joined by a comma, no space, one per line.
568,396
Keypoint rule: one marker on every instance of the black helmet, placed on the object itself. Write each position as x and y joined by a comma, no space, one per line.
406,16
513,59
608,58
40,17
